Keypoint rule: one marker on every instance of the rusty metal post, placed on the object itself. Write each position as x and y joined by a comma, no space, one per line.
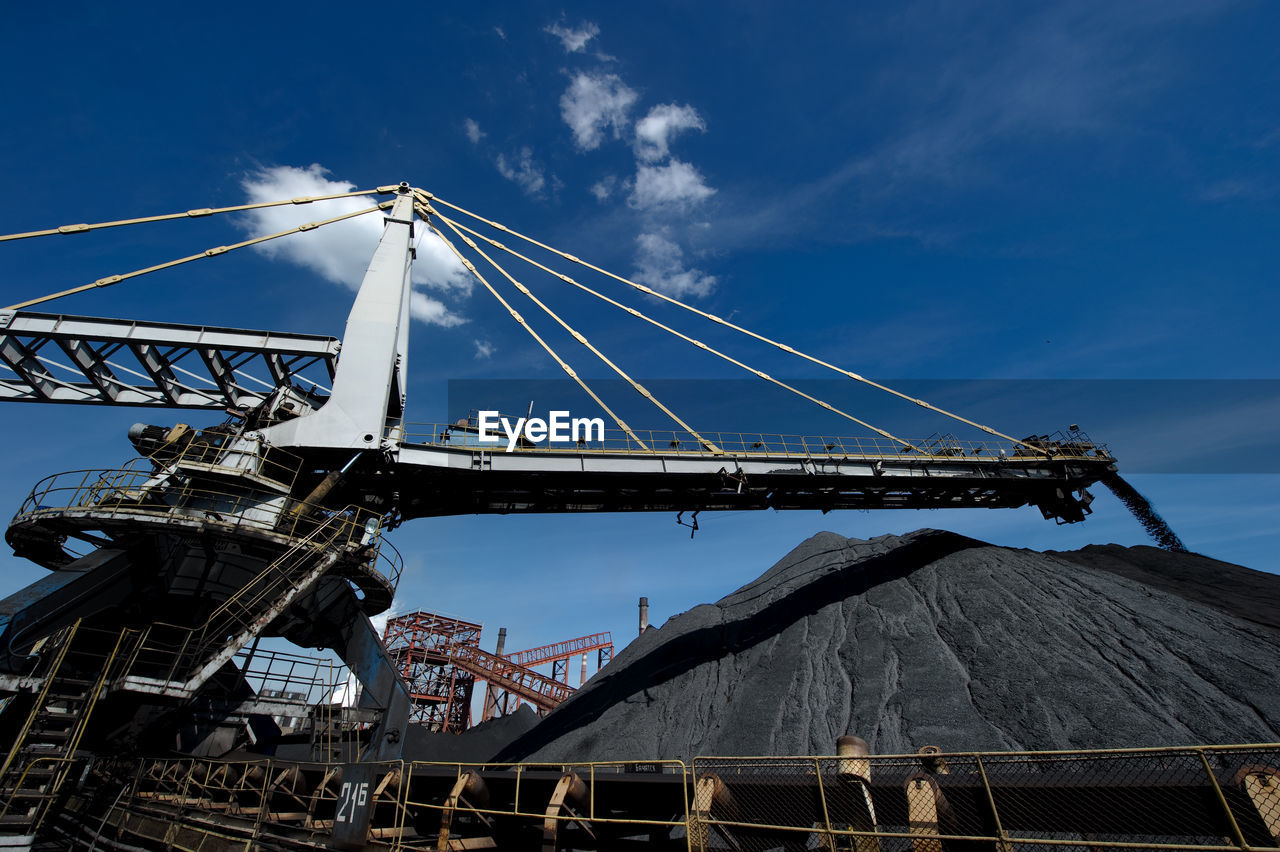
854,754
1002,839
854,767
1237,836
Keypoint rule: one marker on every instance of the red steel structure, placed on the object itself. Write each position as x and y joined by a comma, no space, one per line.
424,647
499,700
562,651
440,659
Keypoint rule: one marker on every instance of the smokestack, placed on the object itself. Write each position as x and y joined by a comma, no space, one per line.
584,670
502,640
644,614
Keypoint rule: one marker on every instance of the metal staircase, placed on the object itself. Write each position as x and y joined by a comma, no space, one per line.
176,661
75,667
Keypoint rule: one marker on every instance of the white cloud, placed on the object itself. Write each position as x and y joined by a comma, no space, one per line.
502,34
574,40
655,131
380,620
604,187
340,252
660,265
523,171
594,103
484,349
676,184
474,133
432,311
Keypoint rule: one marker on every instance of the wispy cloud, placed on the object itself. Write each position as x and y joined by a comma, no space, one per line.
524,171
484,350
655,130
675,184
473,131
1065,74
1238,189
574,39
597,106
660,265
340,252
594,104
603,188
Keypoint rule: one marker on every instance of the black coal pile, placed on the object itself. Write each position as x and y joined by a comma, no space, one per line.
936,639
474,745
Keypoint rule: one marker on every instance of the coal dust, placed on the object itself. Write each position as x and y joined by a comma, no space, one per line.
1141,508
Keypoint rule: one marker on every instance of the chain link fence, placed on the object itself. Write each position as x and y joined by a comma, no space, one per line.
1194,798
1208,798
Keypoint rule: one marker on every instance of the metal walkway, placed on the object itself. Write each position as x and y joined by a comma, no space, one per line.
56,358
1201,799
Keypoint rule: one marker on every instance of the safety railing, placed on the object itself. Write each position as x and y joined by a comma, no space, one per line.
37,766
172,653
298,678
465,435
135,492
213,451
1196,798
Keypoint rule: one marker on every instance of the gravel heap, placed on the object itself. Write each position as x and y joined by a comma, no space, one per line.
936,639
474,745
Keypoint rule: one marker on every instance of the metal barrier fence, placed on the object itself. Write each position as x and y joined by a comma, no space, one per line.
1203,798
748,444
135,492
1194,798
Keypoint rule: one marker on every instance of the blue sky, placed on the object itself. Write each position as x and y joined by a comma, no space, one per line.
915,191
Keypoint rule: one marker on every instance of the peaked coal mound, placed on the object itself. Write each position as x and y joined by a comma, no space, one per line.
936,639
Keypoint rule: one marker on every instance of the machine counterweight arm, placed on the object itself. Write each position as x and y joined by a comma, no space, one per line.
368,386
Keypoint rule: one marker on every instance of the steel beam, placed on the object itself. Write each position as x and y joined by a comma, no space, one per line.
369,388
60,358
435,480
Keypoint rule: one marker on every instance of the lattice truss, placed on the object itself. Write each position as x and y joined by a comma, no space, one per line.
423,646
54,358
440,659
51,358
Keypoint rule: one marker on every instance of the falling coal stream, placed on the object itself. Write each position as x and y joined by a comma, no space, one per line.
1146,514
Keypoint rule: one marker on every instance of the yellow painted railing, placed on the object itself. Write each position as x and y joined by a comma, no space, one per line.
465,435
1193,798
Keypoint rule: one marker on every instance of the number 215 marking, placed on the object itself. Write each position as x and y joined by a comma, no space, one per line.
350,798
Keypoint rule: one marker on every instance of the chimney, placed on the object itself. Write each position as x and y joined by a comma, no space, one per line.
502,640
644,614
584,670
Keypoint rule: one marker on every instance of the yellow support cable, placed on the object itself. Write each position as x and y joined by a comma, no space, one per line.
523,323
192,214
644,392
685,337
213,252
426,196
